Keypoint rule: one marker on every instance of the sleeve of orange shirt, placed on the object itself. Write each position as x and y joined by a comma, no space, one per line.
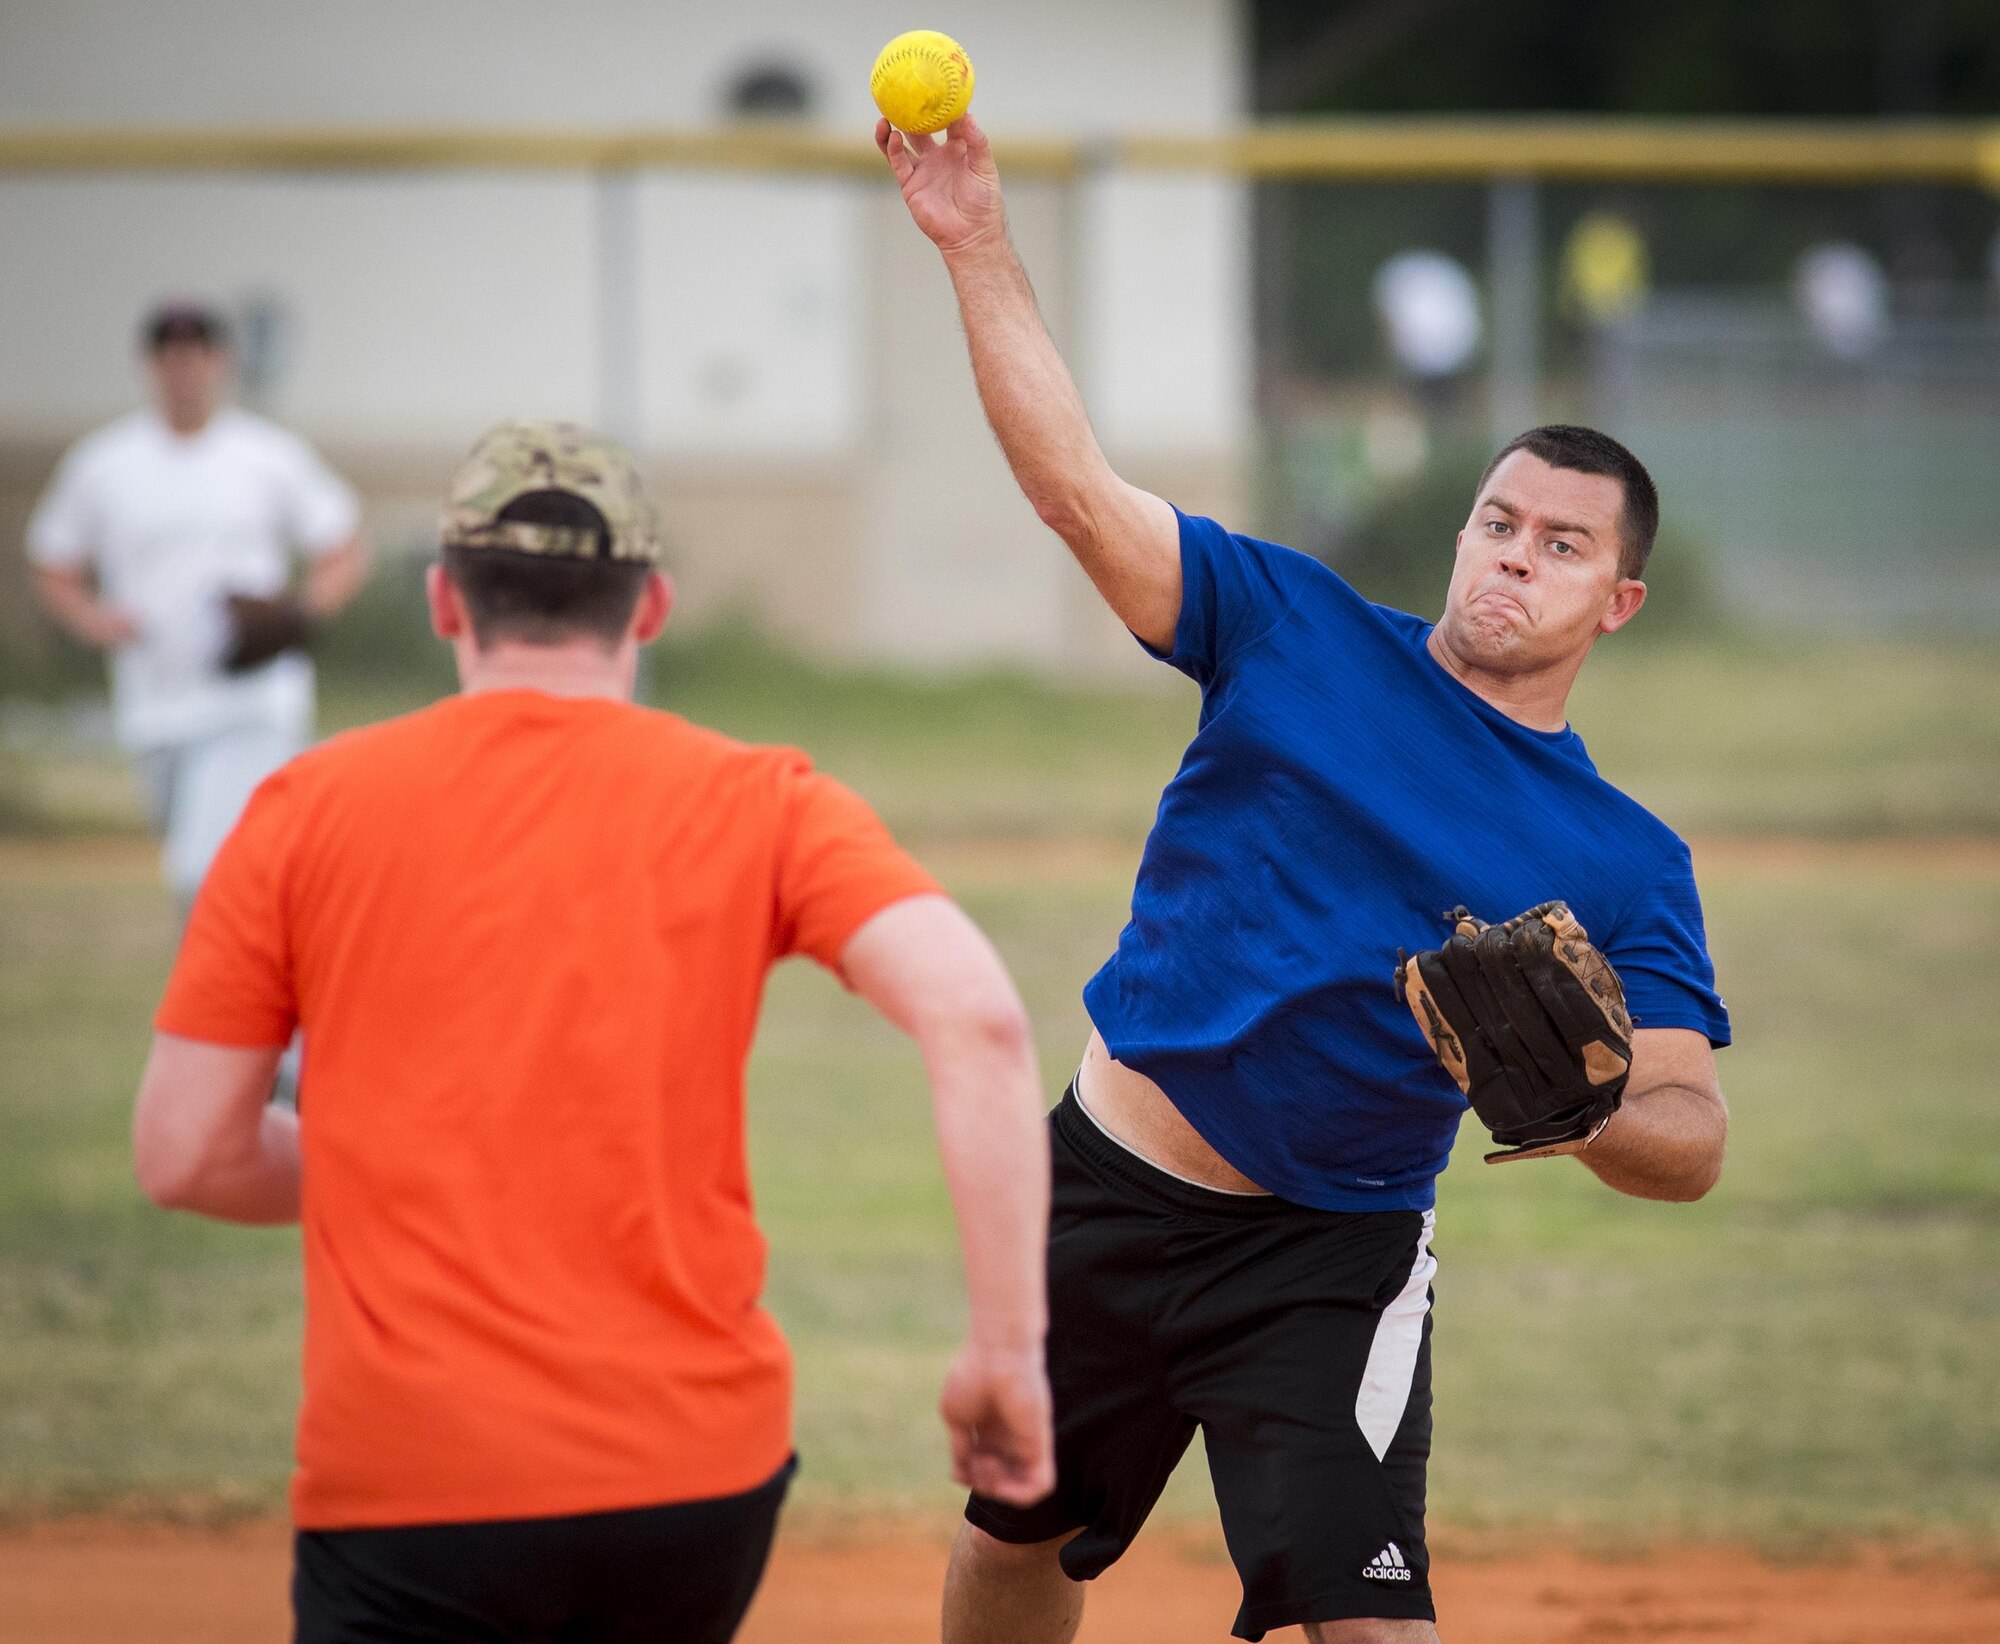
232,980
838,867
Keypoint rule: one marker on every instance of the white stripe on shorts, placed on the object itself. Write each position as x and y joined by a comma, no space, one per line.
1392,1357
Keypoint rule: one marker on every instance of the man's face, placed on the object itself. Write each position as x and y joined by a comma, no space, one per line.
1536,579
188,379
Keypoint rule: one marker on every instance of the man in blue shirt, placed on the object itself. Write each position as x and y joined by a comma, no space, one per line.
1245,1165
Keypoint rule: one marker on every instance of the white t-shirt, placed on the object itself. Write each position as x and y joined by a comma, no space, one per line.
173,524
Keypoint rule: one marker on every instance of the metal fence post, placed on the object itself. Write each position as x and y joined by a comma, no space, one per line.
1514,300
620,406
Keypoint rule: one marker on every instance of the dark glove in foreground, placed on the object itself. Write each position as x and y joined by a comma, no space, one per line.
1530,1019
263,628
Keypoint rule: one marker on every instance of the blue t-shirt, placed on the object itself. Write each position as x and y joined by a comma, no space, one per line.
1341,792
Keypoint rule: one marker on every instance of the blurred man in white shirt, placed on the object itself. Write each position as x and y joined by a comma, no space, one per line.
167,539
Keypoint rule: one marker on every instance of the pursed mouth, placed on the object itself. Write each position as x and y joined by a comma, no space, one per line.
1501,594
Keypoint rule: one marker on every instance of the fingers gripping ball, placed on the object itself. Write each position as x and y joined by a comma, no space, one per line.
922,81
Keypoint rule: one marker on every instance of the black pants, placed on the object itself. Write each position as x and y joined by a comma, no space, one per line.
1296,1340
679,1574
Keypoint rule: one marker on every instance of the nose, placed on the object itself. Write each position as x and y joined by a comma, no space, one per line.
1514,558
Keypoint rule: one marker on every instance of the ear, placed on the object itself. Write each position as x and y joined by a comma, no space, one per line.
1626,599
656,603
449,619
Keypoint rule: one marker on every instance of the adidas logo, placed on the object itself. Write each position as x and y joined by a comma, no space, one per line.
1388,1565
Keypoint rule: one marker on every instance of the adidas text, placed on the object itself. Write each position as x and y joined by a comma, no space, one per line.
1388,1565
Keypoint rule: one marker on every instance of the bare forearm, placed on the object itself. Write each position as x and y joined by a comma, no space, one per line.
68,597
1664,1143
335,578
1126,540
985,1092
1028,393
255,1182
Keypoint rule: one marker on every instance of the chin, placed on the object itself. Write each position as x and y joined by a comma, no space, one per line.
1492,643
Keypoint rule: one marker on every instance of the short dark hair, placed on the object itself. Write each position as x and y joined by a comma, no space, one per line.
184,322
1586,451
547,599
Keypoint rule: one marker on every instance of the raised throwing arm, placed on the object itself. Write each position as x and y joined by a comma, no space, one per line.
1127,540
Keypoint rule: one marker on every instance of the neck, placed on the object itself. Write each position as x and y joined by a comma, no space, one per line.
1538,698
187,421
575,668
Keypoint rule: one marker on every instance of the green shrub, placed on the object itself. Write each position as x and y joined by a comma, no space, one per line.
384,637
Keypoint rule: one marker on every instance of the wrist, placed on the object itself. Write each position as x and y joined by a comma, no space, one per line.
1006,1341
982,246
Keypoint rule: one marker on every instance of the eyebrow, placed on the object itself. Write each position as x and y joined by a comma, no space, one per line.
1557,526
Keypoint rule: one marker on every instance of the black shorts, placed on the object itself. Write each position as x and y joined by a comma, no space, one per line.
685,1571
1297,1340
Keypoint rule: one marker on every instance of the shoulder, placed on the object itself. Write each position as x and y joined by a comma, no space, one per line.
1653,842
250,434
1651,863
1207,539
725,762
348,753
107,447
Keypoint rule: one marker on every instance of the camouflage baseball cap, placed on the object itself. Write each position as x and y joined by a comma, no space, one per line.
519,458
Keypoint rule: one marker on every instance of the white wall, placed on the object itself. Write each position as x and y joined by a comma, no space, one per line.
1042,64
422,307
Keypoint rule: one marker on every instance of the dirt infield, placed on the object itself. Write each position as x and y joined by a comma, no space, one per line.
114,1583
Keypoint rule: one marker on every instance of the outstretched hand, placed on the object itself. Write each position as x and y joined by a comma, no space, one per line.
996,1406
951,187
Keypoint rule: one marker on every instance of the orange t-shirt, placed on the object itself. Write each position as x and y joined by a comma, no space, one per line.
526,938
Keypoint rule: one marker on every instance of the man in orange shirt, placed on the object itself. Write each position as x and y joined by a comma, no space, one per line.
525,932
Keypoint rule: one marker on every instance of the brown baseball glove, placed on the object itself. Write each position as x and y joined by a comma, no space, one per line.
263,628
1530,1019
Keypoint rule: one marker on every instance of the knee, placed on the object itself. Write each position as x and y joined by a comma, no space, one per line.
1015,1560
1382,1631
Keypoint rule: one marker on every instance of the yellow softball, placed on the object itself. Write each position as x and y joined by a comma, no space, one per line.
922,81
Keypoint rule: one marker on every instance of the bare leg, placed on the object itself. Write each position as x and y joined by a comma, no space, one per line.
997,1593
1371,1632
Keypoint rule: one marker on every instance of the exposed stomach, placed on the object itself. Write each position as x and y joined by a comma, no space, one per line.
1138,1113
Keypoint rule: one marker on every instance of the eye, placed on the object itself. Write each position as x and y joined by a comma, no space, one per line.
1560,547
1499,526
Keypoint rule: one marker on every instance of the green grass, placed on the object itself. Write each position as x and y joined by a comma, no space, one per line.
1810,1351
1739,735
1807,1353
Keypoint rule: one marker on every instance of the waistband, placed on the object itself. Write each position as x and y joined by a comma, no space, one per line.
1105,1157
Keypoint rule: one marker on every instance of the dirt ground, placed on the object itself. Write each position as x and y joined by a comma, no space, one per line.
117,1583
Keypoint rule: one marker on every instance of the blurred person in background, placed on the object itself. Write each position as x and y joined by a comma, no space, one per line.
525,933
167,539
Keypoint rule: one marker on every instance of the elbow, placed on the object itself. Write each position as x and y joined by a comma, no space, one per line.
170,1180
1064,513
1698,1178
171,1166
992,1027
1011,1032
1696,1185
1001,1027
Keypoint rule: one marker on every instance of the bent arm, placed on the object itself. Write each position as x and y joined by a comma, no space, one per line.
1667,1138
1127,540
67,594
927,968
335,577
205,1137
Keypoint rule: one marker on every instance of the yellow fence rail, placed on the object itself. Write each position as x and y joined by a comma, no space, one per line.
1375,150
